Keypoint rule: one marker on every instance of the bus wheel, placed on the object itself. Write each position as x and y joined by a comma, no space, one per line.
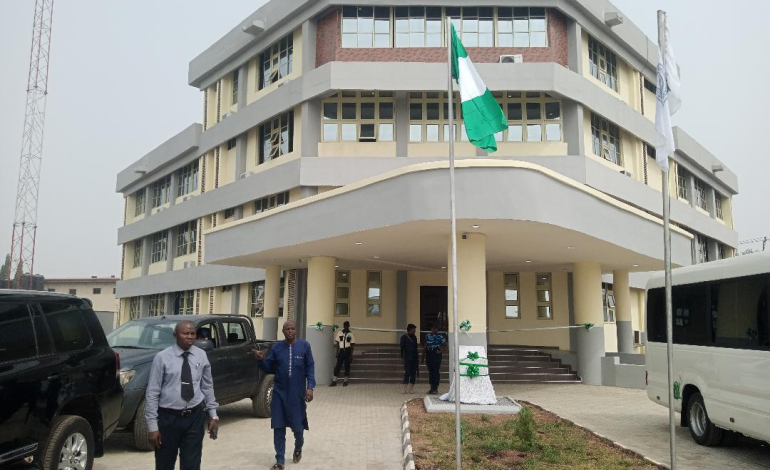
702,429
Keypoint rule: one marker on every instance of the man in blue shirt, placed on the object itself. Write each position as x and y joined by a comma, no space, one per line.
179,389
434,345
292,363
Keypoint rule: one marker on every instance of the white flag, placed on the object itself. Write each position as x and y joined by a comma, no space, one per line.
669,102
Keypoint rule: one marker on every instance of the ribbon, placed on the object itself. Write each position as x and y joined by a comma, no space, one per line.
335,327
588,326
465,326
319,326
473,355
473,371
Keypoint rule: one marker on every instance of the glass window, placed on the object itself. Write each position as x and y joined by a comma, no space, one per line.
603,63
139,205
257,298
718,206
137,258
161,191
605,139
373,293
158,252
365,26
543,288
511,281
700,194
740,313
184,302
608,303
235,333
702,249
276,62
342,301
521,27
187,179
428,116
67,325
157,305
186,238
18,338
276,137
418,26
134,308
532,117
366,116
681,182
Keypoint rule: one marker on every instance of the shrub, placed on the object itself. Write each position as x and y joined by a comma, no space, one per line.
524,427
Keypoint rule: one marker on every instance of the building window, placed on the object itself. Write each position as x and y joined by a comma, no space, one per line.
429,116
271,202
186,238
97,290
137,261
139,207
603,62
187,178
365,26
51,290
474,25
161,191
229,213
157,305
512,295
702,249
650,86
234,97
720,251
276,61
700,195
257,298
184,302
681,182
521,27
134,308
342,299
605,139
232,143
114,289
228,288
608,303
359,116
158,252
73,292
418,26
718,206
543,287
532,117
373,293
276,137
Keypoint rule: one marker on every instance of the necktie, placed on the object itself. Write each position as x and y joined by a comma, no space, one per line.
187,386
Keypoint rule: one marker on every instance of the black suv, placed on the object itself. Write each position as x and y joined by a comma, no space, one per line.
227,340
60,393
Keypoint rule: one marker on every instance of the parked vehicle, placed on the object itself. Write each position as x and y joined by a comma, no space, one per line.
228,341
60,394
721,335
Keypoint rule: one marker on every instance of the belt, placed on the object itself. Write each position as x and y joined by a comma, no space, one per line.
184,412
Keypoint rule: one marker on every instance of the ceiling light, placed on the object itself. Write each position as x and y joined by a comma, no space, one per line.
636,265
336,266
528,261
443,267
570,247
475,226
359,243
376,257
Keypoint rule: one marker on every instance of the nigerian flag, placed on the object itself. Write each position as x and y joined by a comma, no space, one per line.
482,115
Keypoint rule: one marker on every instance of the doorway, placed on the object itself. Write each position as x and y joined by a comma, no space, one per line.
433,309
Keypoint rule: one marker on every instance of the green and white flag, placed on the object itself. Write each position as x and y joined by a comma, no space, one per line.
481,113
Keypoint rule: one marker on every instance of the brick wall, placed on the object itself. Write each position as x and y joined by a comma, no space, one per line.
328,46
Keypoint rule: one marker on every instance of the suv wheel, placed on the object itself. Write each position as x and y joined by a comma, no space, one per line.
141,432
260,402
703,431
70,445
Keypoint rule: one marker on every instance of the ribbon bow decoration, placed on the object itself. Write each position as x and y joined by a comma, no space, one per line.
473,371
319,326
589,326
473,356
465,326
335,327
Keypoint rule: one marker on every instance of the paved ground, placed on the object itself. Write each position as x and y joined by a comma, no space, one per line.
364,420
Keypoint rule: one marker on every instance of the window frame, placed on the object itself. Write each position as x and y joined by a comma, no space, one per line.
681,182
134,308
187,179
603,64
360,98
136,261
548,287
270,202
140,202
378,14
278,132
608,303
603,130
257,299
508,99
513,33
161,191
186,239
407,28
341,284
701,249
701,193
234,91
184,302
159,247
718,210
271,57
372,301
511,303
156,304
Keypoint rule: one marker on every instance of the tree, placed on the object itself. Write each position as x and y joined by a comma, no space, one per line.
747,251
5,269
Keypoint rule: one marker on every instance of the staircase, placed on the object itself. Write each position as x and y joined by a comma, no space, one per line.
381,363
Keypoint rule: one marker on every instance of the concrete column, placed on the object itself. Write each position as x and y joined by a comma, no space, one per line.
574,128
471,288
690,183
575,47
310,128
307,191
320,308
174,189
144,306
588,309
300,303
235,299
401,290
710,203
271,302
147,200
712,249
170,248
623,320
243,86
402,124
168,307
146,254
308,45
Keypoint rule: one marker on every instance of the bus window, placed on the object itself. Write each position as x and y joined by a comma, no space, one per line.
739,308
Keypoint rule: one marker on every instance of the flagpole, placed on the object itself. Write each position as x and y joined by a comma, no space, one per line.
453,242
667,262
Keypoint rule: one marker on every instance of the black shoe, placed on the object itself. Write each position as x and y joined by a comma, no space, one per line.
333,384
297,456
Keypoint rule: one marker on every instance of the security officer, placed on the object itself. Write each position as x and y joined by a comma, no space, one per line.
434,345
179,389
345,341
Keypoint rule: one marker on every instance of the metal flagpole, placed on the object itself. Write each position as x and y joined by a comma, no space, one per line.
667,261
453,241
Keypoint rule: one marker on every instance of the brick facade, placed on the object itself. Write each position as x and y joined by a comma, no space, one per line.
329,46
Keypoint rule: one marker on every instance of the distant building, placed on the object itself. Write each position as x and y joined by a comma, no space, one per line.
99,290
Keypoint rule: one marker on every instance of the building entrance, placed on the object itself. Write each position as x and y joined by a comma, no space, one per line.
433,308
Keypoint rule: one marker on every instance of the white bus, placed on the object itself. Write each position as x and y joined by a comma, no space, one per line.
721,328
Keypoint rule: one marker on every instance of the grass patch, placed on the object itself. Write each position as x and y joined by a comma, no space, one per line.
533,440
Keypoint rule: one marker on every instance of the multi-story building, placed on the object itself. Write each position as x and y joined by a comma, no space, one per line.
321,166
99,290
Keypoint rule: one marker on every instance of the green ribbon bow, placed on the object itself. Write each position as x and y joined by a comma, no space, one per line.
473,371
588,326
465,326
319,326
335,327
473,356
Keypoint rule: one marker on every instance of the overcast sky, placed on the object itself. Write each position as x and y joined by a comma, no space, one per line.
118,88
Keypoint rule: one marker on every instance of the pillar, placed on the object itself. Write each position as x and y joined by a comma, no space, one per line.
235,300
622,290
402,124
471,289
271,302
401,303
320,308
588,309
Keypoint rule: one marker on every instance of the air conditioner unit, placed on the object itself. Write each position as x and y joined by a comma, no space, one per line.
246,174
627,173
511,59
189,264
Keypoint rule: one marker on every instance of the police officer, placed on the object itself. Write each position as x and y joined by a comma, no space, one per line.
345,340
434,345
411,355
179,394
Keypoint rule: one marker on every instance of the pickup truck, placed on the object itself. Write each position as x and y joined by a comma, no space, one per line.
227,340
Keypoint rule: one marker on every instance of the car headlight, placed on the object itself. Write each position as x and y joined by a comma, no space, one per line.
126,376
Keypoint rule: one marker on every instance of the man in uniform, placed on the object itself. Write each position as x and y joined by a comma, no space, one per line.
344,340
179,389
434,345
411,356
292,363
